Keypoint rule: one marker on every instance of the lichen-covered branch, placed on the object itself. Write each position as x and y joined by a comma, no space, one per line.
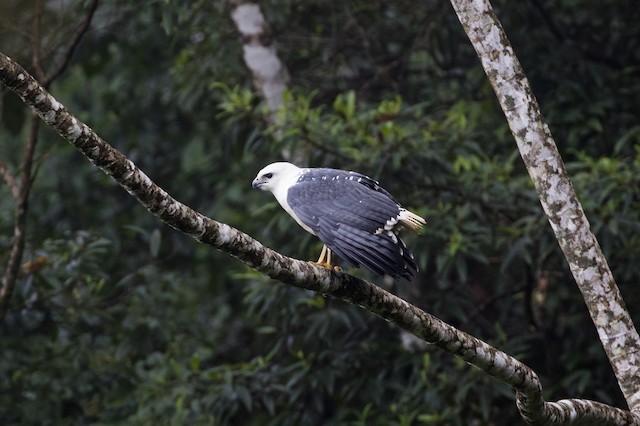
566,216
304,274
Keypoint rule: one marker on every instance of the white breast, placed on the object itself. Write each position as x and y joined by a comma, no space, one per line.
282,191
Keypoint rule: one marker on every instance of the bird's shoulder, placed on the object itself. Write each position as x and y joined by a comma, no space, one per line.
336,180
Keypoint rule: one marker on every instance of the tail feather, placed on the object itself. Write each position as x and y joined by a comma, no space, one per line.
411,220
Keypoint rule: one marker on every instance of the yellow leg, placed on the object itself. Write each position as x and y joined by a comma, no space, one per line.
322,255
325,259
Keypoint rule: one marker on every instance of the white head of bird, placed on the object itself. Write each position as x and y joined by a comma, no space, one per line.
277,178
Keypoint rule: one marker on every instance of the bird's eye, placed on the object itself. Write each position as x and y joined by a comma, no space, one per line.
268,175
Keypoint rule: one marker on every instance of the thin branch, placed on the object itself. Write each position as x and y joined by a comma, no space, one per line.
27,157
10,275
557,196
72,45
9,180
36,56
302,274
22,190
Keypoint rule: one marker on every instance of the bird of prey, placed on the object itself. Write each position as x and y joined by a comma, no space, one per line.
349,212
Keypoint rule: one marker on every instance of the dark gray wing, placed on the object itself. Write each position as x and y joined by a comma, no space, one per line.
348,212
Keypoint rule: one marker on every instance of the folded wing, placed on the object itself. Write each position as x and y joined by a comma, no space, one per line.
355,218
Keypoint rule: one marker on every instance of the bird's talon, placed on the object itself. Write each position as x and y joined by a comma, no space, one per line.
328,266
324,265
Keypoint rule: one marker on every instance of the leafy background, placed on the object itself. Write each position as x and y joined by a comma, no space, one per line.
117,319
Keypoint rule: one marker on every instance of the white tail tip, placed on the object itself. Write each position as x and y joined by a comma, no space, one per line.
411,220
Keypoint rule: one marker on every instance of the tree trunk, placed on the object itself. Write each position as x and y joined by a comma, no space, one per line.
559,200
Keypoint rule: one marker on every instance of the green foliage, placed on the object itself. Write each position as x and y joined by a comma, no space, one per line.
117,319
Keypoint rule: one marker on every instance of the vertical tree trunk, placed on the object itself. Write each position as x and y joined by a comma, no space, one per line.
568,221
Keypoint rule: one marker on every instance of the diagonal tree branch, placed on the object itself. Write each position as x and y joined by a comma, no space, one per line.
305,274
559,200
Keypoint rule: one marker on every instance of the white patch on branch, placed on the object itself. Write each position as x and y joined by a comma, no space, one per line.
225,234
50,116
73,131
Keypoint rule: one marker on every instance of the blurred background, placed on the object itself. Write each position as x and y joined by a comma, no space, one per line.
118,319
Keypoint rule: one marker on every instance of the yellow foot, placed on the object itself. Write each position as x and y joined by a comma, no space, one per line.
325,260
328,266
324,265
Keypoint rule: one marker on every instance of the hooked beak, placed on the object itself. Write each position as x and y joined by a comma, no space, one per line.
256,184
